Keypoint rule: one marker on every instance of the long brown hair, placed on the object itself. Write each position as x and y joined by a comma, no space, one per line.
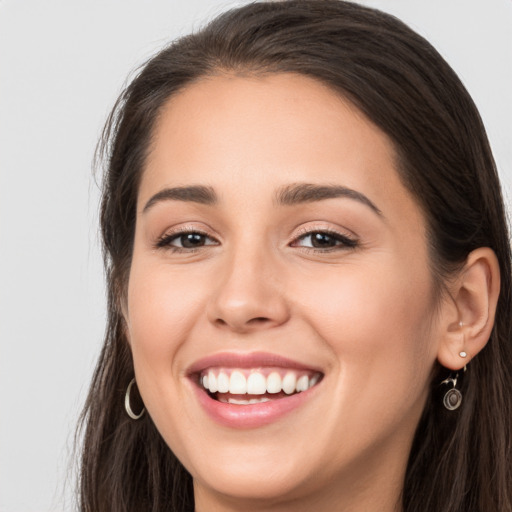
461,460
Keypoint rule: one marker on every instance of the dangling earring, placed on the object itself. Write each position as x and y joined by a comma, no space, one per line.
453,397
127,405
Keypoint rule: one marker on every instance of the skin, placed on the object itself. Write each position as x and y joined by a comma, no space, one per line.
367,316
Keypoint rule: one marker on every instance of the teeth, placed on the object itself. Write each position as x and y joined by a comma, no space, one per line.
212,382
240,401
256,384
259,400
289,383
223,383
237,383
302,384
274,383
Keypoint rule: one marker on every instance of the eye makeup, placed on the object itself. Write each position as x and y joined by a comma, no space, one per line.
189,240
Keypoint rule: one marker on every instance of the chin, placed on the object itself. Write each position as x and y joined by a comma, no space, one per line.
254,482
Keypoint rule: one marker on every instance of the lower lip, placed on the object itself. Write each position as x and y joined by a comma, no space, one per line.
251,415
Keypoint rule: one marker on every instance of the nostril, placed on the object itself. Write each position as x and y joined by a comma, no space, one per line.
258,320
251,323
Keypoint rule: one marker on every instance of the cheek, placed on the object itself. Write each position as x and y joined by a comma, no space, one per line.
376,320
163,307
377,326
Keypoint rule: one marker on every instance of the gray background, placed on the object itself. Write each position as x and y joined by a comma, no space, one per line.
62,64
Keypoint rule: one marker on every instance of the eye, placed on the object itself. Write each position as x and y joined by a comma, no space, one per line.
185,241
324,240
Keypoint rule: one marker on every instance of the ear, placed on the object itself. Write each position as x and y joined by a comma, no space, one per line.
468,320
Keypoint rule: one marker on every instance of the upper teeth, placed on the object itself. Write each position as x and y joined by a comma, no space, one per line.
254,382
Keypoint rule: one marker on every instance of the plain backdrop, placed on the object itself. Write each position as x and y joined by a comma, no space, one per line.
62,64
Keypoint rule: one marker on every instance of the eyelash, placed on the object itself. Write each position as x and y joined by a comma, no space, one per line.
345,242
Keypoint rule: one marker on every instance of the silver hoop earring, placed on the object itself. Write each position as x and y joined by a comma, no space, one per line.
127,405
453,397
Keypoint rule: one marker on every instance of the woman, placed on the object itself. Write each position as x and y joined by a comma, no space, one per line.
305,244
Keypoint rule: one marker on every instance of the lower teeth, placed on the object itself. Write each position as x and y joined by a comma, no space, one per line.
241,401
226,398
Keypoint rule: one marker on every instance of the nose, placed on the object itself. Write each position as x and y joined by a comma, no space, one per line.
249,294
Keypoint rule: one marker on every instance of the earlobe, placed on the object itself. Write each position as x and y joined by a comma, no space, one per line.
468,326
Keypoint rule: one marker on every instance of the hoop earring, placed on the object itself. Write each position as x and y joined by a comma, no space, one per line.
127,405
453,397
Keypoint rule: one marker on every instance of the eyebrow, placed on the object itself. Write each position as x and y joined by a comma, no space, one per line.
193,193
289,195
299,193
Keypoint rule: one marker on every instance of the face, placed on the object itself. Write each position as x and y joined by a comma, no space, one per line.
276,250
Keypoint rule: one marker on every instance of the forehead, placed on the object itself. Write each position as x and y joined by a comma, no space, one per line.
255,134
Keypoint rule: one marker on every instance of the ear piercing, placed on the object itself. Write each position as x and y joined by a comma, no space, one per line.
463,353
453,397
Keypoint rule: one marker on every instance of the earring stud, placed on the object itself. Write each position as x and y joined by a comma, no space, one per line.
463,354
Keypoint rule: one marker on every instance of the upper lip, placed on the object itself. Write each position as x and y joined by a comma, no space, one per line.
247,360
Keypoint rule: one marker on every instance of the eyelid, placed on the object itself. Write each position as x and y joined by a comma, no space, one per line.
163,241
307,230
348,241
316,228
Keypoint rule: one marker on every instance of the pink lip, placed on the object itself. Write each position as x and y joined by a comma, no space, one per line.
247,360
251,415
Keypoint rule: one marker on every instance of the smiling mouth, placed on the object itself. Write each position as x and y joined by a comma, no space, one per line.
247,386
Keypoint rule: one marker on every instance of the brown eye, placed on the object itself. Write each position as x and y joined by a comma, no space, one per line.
185,240
190,240
325,240
321,240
